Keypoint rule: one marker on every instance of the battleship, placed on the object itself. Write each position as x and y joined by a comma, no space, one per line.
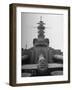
41,59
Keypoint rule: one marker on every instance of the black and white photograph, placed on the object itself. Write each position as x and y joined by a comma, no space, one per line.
41,44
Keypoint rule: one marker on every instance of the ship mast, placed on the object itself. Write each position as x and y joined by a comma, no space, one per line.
41,29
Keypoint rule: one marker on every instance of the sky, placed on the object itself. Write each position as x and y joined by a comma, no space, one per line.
54,28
